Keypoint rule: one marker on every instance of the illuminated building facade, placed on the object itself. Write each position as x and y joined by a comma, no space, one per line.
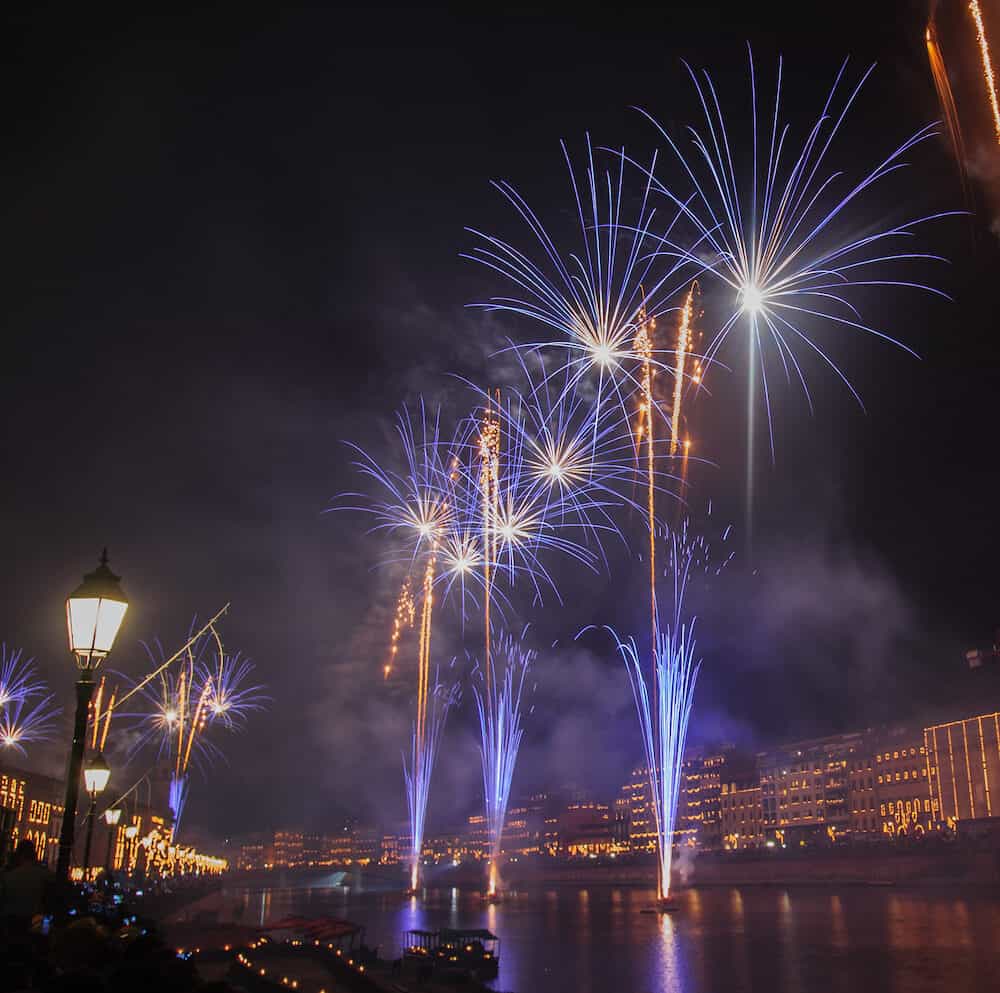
699,811
741,816
805,786
901,784
586,828
251,856
287,850
963,768
524,829
33,808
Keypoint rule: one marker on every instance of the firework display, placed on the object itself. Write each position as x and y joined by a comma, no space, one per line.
26,711
550,466
778,229
204,687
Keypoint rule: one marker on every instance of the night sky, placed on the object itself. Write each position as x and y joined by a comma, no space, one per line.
231,242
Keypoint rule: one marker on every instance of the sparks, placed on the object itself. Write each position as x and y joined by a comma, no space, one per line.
664,695
499,709
984,54
779,238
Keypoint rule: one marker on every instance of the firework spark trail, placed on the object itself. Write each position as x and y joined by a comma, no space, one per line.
486,502
24,721
984,54
231,695
418,773
424,652
681,352
664,699
26,712
184,704
571,464
18,679
404,617
939,74
489,478
643,346
101,718
781,243
499,710
591,299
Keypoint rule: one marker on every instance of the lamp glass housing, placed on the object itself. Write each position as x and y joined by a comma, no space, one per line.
94,613
96,774
112,816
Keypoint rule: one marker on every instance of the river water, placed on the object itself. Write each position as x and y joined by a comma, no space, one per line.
596,939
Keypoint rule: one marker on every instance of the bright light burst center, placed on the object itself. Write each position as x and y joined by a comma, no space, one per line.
751,298
603,355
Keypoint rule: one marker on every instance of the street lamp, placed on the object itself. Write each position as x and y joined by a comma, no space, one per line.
94,613
111,818
95,778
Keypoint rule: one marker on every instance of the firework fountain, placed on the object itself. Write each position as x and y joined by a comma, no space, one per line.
664,694
417,774
498,703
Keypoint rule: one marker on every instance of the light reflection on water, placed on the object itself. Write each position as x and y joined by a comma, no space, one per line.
597,939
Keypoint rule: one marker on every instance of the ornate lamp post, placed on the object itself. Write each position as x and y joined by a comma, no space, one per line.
111,818
94,613
95,778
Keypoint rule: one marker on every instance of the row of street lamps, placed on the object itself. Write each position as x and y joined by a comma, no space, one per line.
94,614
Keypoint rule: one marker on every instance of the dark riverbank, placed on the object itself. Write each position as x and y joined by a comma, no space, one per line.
944,866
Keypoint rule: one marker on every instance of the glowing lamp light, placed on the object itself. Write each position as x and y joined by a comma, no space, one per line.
94,613
131,831
96,774
752,298
112,816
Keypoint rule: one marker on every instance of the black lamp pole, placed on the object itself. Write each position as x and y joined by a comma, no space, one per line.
90,834
84,691
94,612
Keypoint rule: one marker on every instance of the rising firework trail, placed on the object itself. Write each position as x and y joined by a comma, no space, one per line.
986,59
489,483
499,709
418,772
405,617
100,716
779,232
949,112
683,354
643,346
